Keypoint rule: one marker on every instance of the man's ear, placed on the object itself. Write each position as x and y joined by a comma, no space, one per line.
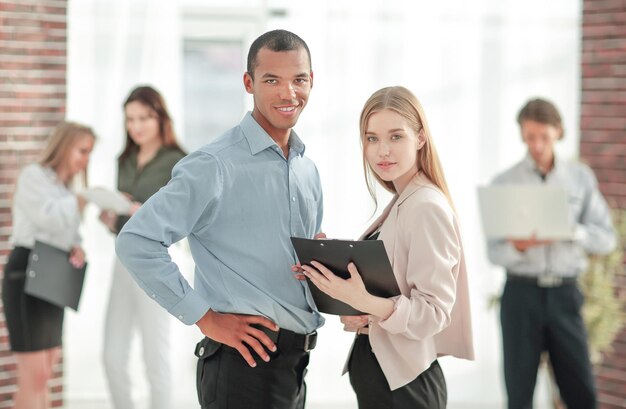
248,82
311,74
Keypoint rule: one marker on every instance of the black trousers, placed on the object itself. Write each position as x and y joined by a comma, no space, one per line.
534,320
427,391
226,381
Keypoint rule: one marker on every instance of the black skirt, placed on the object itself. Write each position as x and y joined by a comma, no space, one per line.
427,391
33,324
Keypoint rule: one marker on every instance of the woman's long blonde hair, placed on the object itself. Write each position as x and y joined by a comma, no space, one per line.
61,141
402,101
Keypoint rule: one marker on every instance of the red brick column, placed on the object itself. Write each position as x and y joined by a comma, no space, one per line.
603,143
33,58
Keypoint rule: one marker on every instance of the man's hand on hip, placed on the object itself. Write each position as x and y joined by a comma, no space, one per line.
237,332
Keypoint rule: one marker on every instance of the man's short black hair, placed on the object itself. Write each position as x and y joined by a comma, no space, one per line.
275,40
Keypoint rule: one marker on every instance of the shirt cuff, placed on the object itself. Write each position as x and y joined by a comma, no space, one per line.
191,308
580,233
512,254
397,321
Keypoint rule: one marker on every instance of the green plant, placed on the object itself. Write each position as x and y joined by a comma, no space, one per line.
604,307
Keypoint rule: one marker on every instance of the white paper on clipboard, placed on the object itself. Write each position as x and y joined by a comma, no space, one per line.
107,199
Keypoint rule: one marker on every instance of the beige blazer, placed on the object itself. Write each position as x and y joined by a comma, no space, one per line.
431,317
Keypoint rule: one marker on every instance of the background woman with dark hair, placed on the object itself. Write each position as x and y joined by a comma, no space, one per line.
47,210
144,167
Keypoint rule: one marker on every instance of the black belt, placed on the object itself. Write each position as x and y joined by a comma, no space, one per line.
543,281
287,340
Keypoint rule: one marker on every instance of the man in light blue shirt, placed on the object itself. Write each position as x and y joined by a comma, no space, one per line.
540,308
238,200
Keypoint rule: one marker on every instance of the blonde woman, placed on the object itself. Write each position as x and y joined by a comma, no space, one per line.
44,209
393,362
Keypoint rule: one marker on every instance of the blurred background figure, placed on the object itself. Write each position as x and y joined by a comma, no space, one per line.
44,209
144,166
541,302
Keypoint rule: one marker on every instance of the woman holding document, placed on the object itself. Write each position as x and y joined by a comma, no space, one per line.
393,362
45,209
144,167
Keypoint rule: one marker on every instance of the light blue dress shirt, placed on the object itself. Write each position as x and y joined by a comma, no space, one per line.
237,200
588,212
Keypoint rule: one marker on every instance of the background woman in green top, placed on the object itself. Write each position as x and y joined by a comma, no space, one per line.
144,167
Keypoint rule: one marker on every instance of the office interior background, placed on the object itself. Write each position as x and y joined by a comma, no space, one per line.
472,65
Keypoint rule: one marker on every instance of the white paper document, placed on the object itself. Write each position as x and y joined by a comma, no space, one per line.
107,199
521,211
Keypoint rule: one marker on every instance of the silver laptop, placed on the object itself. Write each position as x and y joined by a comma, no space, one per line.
519,211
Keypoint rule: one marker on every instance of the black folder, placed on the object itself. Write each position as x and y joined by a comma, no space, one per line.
369,257
51,277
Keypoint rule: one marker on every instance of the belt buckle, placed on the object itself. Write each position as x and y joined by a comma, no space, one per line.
549,281
310,340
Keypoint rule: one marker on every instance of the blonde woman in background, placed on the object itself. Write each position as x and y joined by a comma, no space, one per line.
45,209
393,362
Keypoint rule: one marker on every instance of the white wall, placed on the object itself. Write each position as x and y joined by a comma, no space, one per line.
472,65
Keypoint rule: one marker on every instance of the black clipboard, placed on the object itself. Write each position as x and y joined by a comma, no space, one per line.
51,277
370,259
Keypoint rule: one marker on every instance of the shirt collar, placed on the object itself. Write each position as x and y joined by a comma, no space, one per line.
418,181
52,175
259,140
135,151
296,144
530,164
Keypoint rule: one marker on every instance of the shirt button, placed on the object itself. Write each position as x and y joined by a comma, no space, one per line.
153,295
201,351
293,199
180,317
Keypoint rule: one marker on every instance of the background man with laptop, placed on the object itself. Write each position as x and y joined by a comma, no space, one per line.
541,302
